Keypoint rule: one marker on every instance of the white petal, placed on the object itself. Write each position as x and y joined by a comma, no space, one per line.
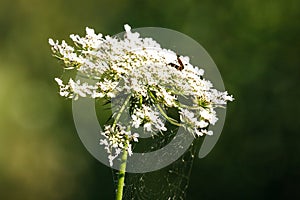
59,81
127,28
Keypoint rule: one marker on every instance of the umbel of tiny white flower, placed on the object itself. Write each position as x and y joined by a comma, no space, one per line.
149,79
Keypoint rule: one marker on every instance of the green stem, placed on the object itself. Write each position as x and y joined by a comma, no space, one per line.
122,171
121,177
171,120
121,111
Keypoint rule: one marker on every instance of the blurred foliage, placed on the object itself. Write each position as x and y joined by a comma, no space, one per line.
255,44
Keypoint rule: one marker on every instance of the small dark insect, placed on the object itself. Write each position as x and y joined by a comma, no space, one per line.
179,67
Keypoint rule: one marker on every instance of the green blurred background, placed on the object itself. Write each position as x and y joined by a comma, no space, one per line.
255,44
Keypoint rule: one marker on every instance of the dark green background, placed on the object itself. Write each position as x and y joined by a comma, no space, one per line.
255,44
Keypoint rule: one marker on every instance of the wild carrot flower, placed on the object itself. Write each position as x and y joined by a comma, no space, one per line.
154,80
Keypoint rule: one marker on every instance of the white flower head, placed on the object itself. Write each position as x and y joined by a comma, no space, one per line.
154,78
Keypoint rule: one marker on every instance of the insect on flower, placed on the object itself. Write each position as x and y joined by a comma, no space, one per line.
179,67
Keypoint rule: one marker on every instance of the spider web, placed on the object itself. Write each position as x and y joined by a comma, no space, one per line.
169,183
